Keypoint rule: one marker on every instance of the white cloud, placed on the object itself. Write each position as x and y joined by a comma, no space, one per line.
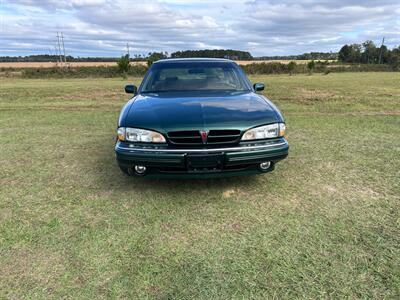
269,27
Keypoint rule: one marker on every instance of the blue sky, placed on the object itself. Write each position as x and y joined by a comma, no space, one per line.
269,27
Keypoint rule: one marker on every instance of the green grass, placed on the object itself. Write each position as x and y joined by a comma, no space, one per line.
324,224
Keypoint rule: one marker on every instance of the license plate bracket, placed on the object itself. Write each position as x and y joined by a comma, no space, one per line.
205,161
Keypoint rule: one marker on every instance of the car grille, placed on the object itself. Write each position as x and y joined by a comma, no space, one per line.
193,137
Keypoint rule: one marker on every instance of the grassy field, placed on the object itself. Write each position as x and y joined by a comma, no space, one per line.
324,224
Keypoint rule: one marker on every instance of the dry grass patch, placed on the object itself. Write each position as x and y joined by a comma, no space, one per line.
306,95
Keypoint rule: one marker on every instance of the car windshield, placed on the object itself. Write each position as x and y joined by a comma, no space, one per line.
193,76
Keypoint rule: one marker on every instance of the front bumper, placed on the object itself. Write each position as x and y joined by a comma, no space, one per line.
241,159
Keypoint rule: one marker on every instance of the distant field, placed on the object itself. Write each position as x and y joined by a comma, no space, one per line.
324,225
95,64
52,64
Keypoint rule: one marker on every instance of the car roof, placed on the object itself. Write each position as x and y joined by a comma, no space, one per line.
194,59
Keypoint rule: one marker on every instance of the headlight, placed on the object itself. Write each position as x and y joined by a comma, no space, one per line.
139,135
265,132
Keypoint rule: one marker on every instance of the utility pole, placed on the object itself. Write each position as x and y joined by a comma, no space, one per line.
55,51
380,51
127,49
65,57
59,48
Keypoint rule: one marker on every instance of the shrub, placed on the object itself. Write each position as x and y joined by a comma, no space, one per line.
311,66
291,67
266,68
82,72
140,70
124,64
153,57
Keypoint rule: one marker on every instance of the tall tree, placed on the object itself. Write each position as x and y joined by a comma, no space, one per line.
370,53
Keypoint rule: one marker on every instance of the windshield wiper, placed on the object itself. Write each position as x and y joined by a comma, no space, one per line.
192,91
151,92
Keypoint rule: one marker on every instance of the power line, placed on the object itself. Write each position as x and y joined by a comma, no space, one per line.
55,51
65,57
59,48
381,50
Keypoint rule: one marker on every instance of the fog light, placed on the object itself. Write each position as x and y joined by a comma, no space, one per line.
140,170
265,165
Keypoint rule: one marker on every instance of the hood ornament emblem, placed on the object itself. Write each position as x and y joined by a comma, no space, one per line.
204,136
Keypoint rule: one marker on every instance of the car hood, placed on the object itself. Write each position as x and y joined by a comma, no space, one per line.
176,111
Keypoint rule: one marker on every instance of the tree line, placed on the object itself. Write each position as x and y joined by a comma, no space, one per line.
369,53
153,56
365,53
54,58
304,56
214,53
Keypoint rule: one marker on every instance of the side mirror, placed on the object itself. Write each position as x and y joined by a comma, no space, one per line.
258,86
130,89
